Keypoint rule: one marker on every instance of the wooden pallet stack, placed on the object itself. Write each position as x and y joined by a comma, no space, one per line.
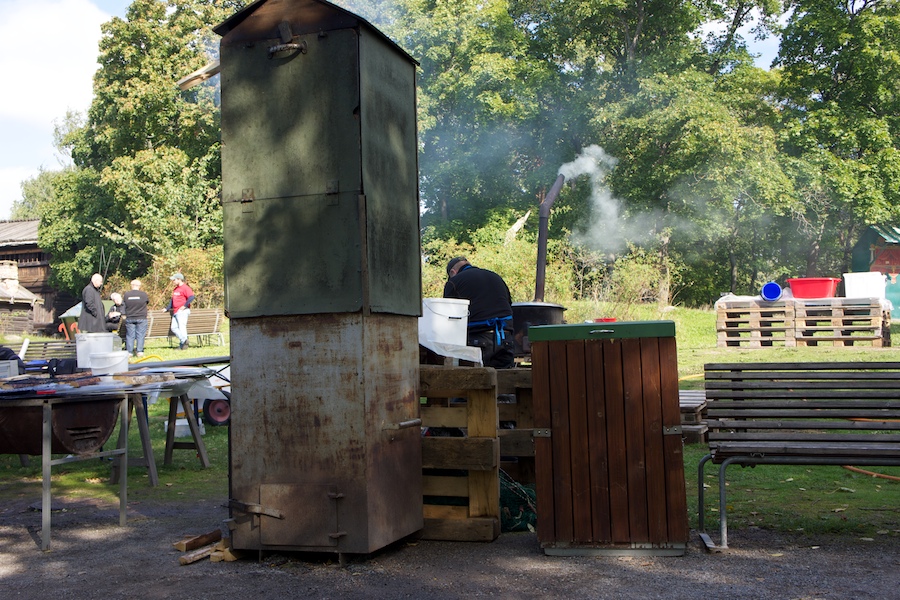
840,321
461,477
693,413
754,324
516,424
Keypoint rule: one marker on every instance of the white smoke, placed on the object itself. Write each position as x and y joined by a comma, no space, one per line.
604,231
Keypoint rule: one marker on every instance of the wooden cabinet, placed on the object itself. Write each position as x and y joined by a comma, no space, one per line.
608,446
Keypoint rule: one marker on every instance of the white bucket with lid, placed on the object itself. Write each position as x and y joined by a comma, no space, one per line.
444,320
106,363
868,284
92,343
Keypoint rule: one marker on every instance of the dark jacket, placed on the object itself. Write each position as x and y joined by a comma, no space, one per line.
486,292
113,322
136,302
93,317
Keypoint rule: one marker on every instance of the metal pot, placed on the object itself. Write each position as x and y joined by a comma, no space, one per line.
526,314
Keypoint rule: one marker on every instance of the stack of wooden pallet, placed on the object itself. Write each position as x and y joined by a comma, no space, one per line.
693,414
756,323
841,321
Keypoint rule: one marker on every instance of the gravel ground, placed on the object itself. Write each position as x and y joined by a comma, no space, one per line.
92,557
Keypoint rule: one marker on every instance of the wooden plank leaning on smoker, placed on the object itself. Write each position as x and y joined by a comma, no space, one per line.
822,413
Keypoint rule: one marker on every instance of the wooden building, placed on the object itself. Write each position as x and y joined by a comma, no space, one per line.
878,249
33,294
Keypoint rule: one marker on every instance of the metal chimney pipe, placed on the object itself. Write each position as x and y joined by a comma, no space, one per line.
543,227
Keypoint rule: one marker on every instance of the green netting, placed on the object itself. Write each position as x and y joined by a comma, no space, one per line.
517,505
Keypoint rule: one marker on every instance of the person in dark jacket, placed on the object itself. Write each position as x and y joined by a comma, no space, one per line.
490,310
136,302
115,312
93,316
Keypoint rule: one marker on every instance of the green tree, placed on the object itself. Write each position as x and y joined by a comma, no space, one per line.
841,123
147,164
479,108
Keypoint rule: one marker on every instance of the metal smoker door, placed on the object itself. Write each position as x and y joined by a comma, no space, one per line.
311,515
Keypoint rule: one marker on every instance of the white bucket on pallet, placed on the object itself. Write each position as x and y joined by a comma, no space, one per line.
870,284
92,343
444,320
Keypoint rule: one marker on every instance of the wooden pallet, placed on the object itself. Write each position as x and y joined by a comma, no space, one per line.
840,321
693,414
755,324
461,476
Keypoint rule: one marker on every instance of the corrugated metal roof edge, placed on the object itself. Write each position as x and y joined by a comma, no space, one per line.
18,232
890,233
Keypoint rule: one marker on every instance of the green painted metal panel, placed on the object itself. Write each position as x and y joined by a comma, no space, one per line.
602,331
273,266
290,125
319,177
390,177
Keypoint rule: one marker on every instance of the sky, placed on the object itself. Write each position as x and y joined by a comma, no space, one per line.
48,55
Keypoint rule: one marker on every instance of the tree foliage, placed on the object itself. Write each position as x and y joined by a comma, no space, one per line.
147,171
717,176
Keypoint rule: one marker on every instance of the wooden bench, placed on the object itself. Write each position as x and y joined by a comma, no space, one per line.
204,324
42,351
840,413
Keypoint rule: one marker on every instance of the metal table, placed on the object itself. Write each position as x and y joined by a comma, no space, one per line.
48,400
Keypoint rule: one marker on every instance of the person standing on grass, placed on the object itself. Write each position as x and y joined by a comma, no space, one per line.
93,316
136,302
180,308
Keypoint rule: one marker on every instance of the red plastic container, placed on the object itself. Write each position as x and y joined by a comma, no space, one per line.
813,287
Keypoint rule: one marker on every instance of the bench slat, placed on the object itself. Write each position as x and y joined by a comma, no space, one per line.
716,437
812,448
823,403
751,376
802,424
718,412
811,366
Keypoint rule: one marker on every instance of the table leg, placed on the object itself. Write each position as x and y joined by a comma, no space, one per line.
195,430
170,430
45,469
124,414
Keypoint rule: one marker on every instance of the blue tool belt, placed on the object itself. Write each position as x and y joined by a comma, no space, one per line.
497,324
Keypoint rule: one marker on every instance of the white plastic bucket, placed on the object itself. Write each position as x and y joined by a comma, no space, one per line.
106,363
444,320
92,343
864,285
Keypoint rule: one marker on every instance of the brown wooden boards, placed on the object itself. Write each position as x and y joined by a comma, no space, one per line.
610,477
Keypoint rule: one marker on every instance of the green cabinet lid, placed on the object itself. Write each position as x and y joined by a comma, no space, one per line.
602,331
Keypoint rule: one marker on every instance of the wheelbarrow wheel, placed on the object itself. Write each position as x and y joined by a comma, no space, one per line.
217,411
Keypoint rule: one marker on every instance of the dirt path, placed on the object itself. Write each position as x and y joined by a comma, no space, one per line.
92,557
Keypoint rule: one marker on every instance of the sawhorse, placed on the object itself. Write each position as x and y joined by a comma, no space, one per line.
137,406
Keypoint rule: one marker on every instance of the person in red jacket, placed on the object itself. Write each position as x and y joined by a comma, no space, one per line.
180,308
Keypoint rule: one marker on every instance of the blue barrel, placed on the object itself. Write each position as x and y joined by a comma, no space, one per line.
771,292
